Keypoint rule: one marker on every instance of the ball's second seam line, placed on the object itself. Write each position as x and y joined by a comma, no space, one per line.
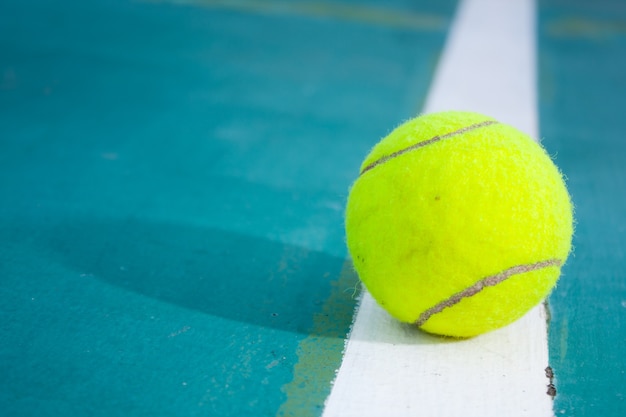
489,281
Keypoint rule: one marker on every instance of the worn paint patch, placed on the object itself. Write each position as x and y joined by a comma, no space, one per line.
376,16
320,352
583,27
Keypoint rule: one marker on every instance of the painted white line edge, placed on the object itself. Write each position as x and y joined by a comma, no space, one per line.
489,63
392,369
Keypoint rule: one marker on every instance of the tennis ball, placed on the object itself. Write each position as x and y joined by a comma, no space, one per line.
458,223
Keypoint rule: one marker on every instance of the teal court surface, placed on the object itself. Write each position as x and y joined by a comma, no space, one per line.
173,176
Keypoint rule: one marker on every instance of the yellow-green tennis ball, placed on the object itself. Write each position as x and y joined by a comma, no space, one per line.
458,223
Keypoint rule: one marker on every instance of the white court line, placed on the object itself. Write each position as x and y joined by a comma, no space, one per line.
393,370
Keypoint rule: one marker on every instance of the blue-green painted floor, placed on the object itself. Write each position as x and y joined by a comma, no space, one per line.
172,179
583,122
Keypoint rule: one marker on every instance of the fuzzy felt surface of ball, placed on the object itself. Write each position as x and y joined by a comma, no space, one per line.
458,223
